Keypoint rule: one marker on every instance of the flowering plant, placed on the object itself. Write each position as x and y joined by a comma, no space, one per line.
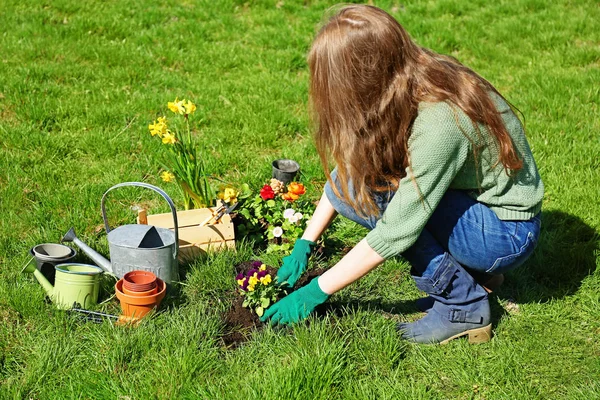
184,162
258,288
278,213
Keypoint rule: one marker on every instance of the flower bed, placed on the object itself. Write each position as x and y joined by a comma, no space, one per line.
241,321
277,215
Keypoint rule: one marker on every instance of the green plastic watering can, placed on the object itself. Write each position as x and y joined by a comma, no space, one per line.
73,284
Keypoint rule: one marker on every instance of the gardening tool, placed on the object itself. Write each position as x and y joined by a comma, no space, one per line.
75,283
49,255
136,247
228,210
285,170
93,316
213,214
219,212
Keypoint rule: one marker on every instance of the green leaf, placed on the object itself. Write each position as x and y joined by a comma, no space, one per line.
245,304
271,203
245,212
265,302
260,311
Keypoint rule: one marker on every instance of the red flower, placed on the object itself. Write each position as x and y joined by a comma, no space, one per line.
267,193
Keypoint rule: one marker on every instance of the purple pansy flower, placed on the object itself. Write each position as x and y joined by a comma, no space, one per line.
256,264
239,276
261,274
252,272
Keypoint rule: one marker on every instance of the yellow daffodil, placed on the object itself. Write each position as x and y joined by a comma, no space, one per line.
169,138
154,129
166,176
177,106
265,280
263,267
229,195
159,127
189,107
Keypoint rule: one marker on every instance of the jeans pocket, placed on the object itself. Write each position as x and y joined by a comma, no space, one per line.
512,261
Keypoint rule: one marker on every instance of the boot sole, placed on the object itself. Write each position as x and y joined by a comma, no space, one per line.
479,335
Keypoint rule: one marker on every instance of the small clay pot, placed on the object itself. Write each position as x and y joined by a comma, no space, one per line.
136,307
138,294
52,251
139,281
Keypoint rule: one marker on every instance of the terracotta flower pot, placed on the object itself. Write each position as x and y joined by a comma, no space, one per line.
139,281
140,293
136,307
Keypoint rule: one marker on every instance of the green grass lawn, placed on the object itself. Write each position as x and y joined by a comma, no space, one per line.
81,80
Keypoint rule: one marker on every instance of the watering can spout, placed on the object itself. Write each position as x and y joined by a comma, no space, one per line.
91,253
69,236
31,269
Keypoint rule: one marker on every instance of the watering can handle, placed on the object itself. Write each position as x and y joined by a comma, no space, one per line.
147,186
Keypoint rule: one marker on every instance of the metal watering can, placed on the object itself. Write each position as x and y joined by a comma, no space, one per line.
136,247
73,284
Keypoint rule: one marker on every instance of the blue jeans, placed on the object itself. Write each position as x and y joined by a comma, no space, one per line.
461,226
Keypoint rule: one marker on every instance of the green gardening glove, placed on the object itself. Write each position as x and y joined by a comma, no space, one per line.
295,264
297,305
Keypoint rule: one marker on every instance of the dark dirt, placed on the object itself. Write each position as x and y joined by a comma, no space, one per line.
241,322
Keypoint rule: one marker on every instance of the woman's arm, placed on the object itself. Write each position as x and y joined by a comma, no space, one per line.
300,303
358,262
322,217
353,266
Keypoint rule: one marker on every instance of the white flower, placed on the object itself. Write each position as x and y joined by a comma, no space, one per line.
277,231
295,218
288,213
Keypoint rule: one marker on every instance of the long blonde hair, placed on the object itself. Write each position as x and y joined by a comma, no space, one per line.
367,78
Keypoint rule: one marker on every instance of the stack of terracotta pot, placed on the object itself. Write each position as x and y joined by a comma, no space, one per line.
139,293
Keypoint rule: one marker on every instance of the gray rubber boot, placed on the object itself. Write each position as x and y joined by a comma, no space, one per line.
460,307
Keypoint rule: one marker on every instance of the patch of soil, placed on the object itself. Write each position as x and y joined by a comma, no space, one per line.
308,276
241,322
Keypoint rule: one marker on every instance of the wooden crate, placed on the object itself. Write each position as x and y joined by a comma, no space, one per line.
194,240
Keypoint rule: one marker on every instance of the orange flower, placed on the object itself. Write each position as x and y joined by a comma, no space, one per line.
289,196
295,190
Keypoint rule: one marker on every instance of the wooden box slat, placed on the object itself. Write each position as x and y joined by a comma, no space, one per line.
191,251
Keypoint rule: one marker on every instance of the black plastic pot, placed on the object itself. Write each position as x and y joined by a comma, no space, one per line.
285,170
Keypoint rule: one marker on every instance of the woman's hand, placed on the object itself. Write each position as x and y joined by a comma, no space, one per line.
297,305
295,264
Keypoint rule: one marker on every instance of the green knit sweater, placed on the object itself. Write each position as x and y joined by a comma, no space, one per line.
442,158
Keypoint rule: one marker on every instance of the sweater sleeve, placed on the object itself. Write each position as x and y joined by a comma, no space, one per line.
438,150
